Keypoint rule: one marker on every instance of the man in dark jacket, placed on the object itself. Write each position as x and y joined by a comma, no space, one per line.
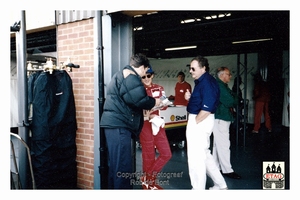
123,118
223,118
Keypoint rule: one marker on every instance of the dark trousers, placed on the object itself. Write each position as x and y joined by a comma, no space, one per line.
119,158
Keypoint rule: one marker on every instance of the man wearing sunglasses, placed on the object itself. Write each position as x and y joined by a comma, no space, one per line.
202,105
153,137
122,118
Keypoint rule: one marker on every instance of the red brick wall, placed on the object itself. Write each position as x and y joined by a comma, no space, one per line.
75,40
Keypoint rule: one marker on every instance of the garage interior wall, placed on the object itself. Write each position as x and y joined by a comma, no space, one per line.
167,69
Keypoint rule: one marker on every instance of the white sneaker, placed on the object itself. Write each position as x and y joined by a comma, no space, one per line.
215,187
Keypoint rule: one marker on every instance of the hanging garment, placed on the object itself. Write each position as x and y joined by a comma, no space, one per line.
53,127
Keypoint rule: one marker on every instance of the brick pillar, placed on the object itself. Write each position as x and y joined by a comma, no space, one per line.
75,41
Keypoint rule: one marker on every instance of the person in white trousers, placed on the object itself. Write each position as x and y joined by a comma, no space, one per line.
223,118
201,107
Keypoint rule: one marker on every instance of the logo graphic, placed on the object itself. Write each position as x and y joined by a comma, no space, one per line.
273,175
178,118
172,118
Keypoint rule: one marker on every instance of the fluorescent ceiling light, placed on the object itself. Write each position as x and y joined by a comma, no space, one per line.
224,15
211,17
217,16
138,28
189,21
180,48
151,13
247,41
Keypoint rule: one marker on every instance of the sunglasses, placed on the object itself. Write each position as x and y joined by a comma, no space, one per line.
148,76
192,68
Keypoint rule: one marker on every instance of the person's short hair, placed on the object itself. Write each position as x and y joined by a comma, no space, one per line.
138,60
203,62
180,73
220,70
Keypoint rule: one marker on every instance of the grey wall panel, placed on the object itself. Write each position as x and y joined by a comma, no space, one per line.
66,16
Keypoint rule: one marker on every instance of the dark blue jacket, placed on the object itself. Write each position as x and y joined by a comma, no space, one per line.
205,96
125,101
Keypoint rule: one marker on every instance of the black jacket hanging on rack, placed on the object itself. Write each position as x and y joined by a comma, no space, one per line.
53,127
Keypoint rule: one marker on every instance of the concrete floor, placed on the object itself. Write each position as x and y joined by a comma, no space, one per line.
247,157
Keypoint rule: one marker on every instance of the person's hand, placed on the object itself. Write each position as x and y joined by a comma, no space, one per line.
187,95
158,102
146,113
152,116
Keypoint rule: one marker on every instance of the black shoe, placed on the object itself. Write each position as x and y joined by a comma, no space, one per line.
233,175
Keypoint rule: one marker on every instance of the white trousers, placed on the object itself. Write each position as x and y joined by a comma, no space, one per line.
200,160
221,145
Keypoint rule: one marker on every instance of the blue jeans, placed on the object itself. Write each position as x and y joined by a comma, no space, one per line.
119,158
